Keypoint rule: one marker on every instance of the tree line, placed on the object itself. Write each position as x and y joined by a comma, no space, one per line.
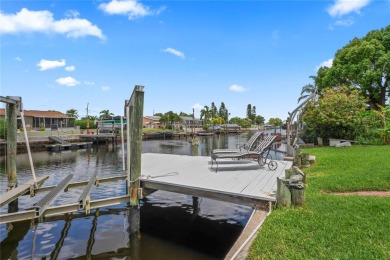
88,121
352,96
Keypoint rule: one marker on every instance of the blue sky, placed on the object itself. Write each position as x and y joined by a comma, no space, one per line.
59,55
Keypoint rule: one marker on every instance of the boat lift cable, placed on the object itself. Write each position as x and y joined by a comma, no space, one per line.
123,146
28,148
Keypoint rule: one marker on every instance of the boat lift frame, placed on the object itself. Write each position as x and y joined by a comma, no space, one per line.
134,114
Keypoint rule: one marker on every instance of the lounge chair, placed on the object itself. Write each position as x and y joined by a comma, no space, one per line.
250,145
260,154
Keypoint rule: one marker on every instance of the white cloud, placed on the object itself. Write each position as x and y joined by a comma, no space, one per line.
72,13
67,81
197,106
327,63
89,83
26,21
342,7
237,88
70,68
174,52
18,59
50,64
346,22
105,88
131,8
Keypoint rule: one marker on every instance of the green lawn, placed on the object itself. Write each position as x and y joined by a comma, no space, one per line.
332,226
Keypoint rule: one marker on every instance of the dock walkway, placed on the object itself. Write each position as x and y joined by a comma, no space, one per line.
242,182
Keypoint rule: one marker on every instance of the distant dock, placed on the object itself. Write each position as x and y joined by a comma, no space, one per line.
61,144
99,138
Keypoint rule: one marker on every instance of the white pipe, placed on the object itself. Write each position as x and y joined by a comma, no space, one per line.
128,143
28,148
123,146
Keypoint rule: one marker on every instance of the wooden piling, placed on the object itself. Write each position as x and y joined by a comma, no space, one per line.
297,157
136,143
283,195
11,145
135,117
288,173
297,197
305,160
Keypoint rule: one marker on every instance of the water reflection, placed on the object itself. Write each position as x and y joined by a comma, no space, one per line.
174,226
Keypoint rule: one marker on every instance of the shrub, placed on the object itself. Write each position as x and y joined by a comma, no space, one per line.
3,128
83,124
337,114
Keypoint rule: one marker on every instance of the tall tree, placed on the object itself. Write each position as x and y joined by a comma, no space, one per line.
185,114
169,118
308,90
205,114
275,121
72,113
213,110
223,112
105,114
259,120
249,111
365,64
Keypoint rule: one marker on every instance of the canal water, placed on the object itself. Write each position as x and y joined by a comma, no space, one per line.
173,226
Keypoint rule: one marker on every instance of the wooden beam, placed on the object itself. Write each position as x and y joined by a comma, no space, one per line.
10,100
247,200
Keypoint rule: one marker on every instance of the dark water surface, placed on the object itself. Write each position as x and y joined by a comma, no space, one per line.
173,226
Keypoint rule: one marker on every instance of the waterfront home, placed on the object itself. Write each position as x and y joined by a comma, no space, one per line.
44,119
151,122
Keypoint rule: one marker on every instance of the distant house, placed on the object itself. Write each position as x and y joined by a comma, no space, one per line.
188,123
50,119
151,122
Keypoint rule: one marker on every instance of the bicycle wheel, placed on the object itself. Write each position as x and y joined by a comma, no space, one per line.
265,159
272,165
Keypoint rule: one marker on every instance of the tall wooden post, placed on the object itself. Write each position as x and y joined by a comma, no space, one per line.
11,145
136,105
13,104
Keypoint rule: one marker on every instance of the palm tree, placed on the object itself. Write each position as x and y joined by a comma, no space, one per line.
308,90
205,113
72,113
104,114
213,110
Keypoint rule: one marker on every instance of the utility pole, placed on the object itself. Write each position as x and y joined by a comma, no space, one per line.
87,119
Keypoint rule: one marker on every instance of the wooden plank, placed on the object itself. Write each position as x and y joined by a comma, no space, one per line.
242,186
207,193
269,182
186,166
272,185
